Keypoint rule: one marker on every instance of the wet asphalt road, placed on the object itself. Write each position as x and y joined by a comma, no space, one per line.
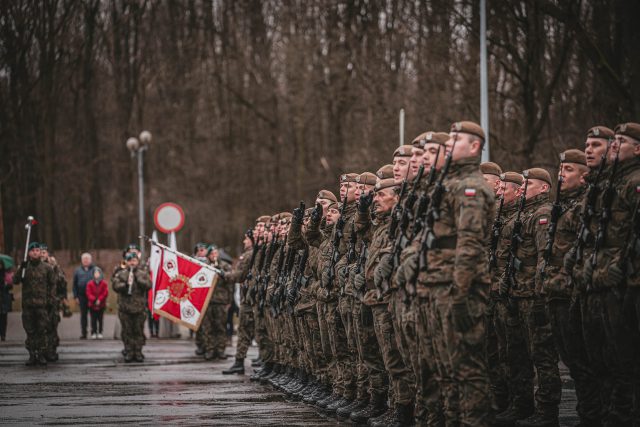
91,385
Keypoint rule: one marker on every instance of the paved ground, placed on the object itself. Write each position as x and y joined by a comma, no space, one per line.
91,385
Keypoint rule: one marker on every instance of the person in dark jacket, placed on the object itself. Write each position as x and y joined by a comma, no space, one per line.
6,298
97,292
81,277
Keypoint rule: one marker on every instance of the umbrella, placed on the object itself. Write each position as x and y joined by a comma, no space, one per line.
7,261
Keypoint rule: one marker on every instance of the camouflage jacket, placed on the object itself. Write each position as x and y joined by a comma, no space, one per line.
239,273
535,223
38,285
618,234
502,250
459,254
60,290
223,292
556,283
307,294
137,301
379,246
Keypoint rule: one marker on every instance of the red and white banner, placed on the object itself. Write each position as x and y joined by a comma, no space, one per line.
182,286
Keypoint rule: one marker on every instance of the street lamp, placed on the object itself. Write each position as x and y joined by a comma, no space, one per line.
139,146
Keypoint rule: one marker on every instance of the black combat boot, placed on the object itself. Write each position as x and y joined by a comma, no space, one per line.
52,356
383,420
304,389
264,371
402,416
275,371
256,363
236,368
356,405
41,359
128,357
316,395
210,355
199,351
544,416
333,397
332,408
513,414
138,356
32,359
377,406
298,383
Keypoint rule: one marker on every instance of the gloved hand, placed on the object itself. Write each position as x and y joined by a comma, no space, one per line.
298,214
615,276
365,202
569,261
291,296
359,281
316,213
462,321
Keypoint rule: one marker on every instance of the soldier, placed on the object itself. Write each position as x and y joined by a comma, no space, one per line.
401,166
57,302
245,316
38,284
132,286
609,268
491,172
214,323
558,291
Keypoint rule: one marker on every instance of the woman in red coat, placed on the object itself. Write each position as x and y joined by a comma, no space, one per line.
97,291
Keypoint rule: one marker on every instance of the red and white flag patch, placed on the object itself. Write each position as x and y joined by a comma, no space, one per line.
543,221
470,192
637,188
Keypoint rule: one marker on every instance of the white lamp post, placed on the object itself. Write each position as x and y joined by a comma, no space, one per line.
137,146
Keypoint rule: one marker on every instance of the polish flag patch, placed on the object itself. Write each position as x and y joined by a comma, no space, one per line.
637,188
470,192
543,221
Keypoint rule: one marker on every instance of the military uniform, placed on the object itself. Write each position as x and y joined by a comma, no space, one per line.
131,308
58,294
38,286
214,336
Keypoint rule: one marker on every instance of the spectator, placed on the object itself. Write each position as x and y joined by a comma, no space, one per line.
97,292
81,277
6,298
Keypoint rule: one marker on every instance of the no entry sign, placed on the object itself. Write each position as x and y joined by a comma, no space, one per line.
168,217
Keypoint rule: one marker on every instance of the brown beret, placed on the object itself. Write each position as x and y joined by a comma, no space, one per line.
326,194
538,173
366,178
348,177
334,205
574,155
385,172
491,168
430,138
403,151
307,212
385,183
285,215
632,130
263,218
513,177
468,127
600,132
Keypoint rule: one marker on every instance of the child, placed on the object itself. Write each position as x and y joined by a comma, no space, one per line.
97,291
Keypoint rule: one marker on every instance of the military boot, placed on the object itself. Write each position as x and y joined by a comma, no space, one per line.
402,416
41,359
316,395
377,406
333,397
308,388
32,359
356,405
52,356
199,351
264,371
210,355
383,420
332,408
236,368
544,416
275,371
138,356
256,363
513,414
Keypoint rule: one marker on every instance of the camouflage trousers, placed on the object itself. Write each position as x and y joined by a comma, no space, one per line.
565,324
311,331
541,350
262,338
331,376
369,352
246,330
35,321
406,336
132,330
632,313
401,378
53,340
213,327
513,353
344,383
355,364
608,337
496,354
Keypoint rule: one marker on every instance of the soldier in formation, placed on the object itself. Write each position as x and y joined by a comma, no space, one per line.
443,291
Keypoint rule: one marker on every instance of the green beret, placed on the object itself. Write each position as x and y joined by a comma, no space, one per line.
34,245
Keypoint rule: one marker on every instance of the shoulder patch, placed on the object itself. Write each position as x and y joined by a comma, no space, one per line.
470,192
637,188
543,221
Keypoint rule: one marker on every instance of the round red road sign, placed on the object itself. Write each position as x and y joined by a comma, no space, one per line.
168,217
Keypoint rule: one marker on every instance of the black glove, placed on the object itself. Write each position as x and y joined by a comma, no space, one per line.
615,276
298,214
291,296
365,202
539,311
462,321
316,213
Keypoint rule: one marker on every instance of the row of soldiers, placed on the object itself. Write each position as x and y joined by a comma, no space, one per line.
44,297
441,291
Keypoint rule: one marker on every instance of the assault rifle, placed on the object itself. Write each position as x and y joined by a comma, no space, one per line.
632,249
424,200
396,213
255,247
605,214
513,262
253,292
495,235
432,215
283,260
556,211
338,232
299,280
266,273
362,259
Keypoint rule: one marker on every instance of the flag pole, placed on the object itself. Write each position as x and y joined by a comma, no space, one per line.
181,255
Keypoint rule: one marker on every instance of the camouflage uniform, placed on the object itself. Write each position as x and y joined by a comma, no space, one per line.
39,284
457,273
55,305
131,308
214,334
246,323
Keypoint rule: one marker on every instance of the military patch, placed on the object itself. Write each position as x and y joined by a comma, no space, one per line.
637,188
470,192
596,132
543,221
